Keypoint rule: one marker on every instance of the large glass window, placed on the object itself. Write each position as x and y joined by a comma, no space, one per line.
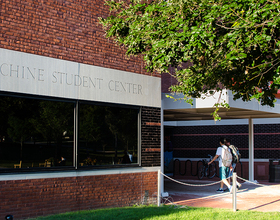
40,134
107,135
35,133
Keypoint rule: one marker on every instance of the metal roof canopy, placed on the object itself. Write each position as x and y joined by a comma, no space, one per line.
203,107
205,114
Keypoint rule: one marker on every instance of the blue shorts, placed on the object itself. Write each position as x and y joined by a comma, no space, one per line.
223,172
231,171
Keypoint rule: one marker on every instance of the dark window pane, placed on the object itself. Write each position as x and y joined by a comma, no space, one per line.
35,133
107,135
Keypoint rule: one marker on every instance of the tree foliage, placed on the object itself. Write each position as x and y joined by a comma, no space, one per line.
212,45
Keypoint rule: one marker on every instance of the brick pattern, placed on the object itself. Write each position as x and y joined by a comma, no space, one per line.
150,132
201,137
67,30
167,79
42,197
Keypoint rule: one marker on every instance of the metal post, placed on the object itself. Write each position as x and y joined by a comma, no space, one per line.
76,135
160,177
162,148
251,150
234,191
159,188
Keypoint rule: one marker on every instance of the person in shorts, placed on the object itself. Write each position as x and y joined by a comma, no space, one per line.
223,171
233,165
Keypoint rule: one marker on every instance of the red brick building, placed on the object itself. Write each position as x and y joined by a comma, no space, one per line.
72,106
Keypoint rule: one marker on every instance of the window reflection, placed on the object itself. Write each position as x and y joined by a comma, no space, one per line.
39,133
35,133
107,135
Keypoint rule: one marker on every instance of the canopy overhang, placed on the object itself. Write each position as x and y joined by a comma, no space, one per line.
203,107
205,114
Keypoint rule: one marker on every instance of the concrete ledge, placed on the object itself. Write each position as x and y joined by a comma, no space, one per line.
61,174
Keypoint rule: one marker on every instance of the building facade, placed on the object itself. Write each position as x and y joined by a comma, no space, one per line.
80,122
194,138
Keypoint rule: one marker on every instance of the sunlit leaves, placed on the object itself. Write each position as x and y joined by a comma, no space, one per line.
232,44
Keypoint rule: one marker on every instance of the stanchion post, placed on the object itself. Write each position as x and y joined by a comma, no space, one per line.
234,191
159,188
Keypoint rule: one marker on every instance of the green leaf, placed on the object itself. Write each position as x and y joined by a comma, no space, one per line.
231,44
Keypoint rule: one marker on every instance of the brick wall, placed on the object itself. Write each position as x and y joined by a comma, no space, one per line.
150,132
67,30
199,141
41,197
38,197
167,79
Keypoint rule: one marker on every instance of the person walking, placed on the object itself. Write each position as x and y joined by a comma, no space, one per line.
235,160
223,153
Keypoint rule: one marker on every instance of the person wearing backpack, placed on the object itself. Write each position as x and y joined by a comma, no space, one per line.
235,159
225,158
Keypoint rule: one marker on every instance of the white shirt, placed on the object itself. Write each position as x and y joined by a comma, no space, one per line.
220,152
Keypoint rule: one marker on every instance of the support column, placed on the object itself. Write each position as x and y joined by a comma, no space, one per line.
160,176
159,188
76,133
234,191
251,150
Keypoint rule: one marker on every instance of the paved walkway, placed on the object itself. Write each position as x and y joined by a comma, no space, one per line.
249,197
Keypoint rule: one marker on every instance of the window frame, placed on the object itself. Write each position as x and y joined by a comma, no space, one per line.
76,104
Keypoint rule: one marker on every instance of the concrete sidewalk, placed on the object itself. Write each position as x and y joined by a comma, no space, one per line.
264,198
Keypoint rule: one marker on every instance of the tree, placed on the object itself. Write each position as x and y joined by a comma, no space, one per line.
93,128
16,120
123,123
212,45
53,121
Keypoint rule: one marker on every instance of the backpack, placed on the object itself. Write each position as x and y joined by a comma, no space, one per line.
227,157
235,154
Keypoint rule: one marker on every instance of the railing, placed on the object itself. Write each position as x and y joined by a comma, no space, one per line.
197,165
185,171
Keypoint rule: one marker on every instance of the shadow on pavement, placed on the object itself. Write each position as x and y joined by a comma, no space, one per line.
202,193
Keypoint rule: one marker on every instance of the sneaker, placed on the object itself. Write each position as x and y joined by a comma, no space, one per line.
220,190
239,186
230,189
226,190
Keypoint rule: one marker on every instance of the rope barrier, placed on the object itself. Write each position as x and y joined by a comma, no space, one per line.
255,183
169,199
188,184
210,184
